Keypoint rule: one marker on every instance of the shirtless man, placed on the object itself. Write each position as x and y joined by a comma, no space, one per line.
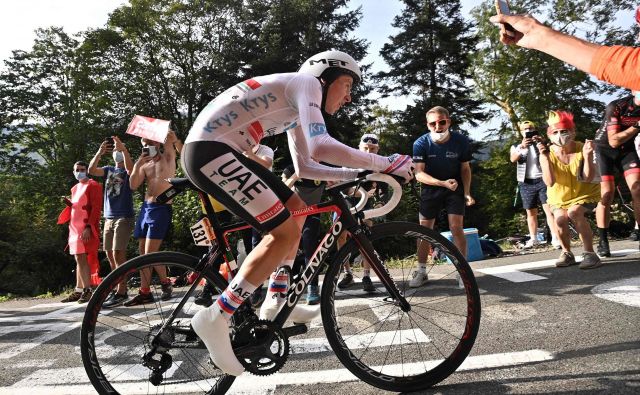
153,167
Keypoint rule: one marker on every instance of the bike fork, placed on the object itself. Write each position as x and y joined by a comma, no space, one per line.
370,254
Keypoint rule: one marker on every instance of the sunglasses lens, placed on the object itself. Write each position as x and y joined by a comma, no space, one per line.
441,122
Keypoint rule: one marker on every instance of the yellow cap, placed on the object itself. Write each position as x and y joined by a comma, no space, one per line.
525,124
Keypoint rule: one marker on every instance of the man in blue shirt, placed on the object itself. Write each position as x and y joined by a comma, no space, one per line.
118,208
442,166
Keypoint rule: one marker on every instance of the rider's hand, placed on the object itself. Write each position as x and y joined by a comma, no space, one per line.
400,165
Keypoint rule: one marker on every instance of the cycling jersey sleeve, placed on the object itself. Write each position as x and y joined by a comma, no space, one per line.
618,65
310,142
612,119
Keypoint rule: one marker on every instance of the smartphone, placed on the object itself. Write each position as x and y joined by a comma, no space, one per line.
110,143
502,7
529,135
145,151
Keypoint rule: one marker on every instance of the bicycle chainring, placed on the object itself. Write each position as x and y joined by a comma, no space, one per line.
268,344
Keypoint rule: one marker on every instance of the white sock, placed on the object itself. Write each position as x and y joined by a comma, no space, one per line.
78,289
422,267
276,294
238,290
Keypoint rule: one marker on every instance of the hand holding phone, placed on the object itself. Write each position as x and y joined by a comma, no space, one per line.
502,7
145,151
110,143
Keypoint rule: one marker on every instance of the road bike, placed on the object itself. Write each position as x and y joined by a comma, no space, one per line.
397,339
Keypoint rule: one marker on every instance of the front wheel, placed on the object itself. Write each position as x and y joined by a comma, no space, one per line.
132,350
398,350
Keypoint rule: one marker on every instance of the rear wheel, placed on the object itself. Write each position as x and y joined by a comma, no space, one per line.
387,347
126,350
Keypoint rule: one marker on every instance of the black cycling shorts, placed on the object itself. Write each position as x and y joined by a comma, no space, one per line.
609,159
243,186
431,204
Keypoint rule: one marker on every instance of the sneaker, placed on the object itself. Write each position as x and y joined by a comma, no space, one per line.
313,295
167,290
85,296
590,260
139,299
566,259
419,278
213,330
367,285
603,248
204,298
635,235
72,297
115,299
532,242
347,281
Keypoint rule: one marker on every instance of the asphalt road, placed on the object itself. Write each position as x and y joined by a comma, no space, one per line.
543,330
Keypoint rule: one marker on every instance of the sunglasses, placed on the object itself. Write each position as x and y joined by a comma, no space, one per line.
441,122
370,140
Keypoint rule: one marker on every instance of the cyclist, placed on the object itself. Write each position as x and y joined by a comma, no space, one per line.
233,123
615,149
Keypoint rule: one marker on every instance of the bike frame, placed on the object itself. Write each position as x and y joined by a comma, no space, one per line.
345,222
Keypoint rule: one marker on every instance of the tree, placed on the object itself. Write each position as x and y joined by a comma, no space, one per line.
429,60
526,84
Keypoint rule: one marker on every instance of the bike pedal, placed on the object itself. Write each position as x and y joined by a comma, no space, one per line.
295,330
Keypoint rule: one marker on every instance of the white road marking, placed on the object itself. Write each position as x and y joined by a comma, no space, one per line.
626,291
379,339
249,384
514,273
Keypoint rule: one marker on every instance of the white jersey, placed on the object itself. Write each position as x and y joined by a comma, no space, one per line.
268,105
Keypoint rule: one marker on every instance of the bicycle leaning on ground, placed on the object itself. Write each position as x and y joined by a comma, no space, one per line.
399,339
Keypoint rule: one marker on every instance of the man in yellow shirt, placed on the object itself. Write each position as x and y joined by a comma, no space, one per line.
569,171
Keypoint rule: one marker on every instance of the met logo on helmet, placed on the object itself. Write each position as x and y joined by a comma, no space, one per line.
329,62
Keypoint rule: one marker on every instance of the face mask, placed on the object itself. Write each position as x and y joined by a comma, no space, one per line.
80,175
118,156
153,151
561,139
436,137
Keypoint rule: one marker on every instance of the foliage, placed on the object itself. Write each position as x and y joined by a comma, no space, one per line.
429,59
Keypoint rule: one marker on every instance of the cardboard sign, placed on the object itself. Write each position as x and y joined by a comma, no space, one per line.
149,128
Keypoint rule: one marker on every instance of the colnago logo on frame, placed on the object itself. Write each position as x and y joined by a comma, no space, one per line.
243,186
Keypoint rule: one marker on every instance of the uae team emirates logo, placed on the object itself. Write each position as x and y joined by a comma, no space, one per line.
243,186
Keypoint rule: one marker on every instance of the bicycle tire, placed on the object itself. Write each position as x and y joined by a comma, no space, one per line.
350,327
110,337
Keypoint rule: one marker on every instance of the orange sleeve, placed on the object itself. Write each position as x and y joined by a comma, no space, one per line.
618,65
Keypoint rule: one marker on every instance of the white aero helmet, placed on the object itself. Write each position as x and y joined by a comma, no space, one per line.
322,64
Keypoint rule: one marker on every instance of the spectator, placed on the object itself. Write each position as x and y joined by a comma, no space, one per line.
154,166
616,64
568,169
532,188
118,209
615,149
83,214
442,165
310,191
368,143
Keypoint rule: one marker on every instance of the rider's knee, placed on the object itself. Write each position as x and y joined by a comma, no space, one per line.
288,232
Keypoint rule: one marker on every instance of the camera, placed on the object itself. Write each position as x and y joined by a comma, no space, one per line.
529,135
145,151
110,143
